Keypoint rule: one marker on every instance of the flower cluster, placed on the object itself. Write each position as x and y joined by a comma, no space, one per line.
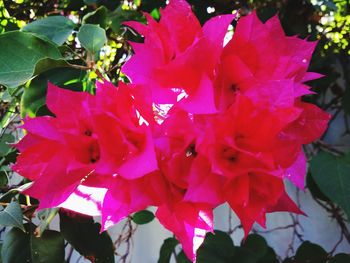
200,124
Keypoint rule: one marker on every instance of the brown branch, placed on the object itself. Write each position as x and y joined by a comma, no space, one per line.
125,237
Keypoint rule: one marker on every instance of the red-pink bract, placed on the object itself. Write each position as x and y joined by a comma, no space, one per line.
200,124
95,142
178,57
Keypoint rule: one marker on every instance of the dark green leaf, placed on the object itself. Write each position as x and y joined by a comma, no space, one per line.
346,100
99,17
244,255
92,37
83,234
19,54
269,257
182,258
6,197
332,175
167,249
55,28
69,78
311,253
143,217
48,248
21,247
5,148
33,98
257,244
12,216
340,258
118,16
216,248
4,176
15,248
48,64
314,189
90,2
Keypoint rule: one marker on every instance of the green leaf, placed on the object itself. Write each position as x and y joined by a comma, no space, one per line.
99,17
143,217
257,244
244,255
48,248
217,247
90,2
34,94
46,64
167,249
314,189
5,140
346,100
155,14
269,257
4,176
118,16
15,248
19,54
182,258
55,28
340,258
19,247
69,78
83,234
6,197
12,216
311,253
332,175
92,37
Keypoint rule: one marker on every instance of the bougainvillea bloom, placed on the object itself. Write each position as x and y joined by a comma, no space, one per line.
94,142
260,57
178,58
200,124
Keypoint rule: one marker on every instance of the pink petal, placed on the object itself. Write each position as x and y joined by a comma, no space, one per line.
63,102
203,185
45,127
202,102
128,196
190,234
140,164
311,76
56,175
285,204
297,172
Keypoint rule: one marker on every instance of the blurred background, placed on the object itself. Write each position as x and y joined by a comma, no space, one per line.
313,238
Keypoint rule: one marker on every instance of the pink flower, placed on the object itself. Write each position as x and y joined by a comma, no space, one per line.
189,222
95,141
200,125
178,58
260,56
254,194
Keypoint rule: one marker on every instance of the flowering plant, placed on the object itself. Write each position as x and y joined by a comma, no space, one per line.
199,124
197,115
